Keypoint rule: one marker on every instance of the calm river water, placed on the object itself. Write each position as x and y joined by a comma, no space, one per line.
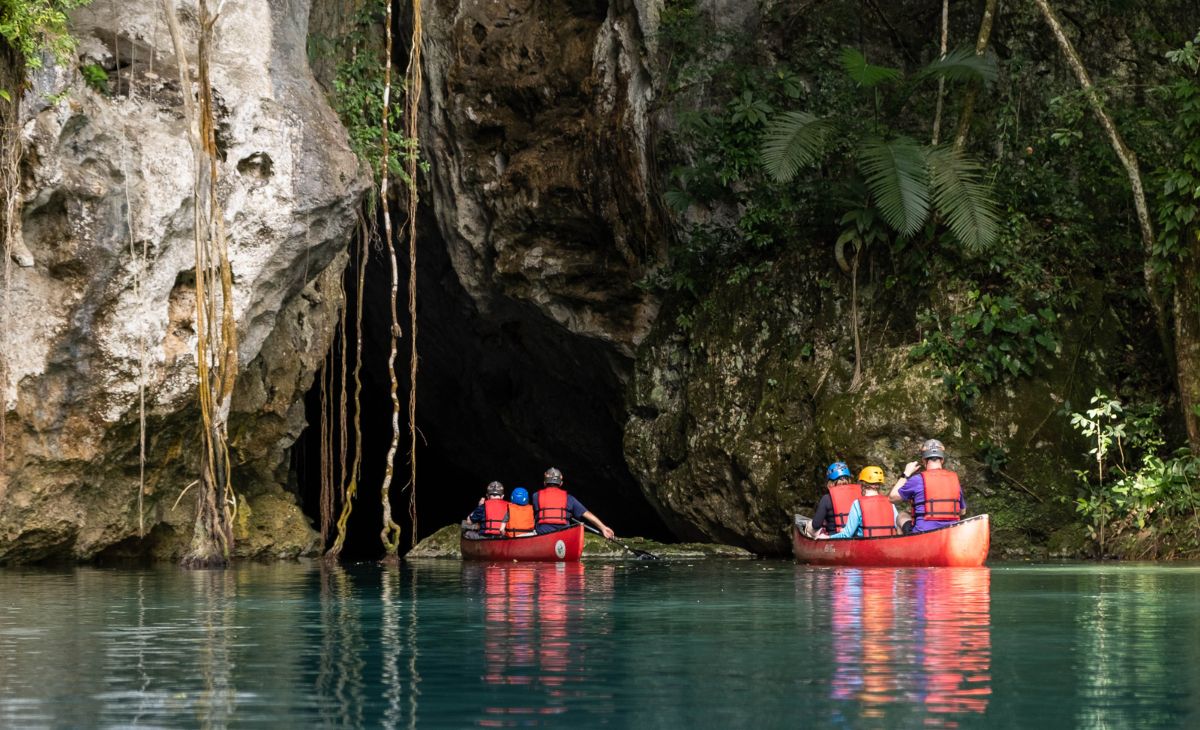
636,645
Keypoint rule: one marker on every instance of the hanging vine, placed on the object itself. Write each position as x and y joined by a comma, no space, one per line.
390,534
216,331
413,104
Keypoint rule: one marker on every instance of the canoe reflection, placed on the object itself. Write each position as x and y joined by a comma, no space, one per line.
532,614
919,637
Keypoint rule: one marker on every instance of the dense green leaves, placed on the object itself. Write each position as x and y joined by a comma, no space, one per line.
792,141
898,178
33,26
962,64
962,199
863,73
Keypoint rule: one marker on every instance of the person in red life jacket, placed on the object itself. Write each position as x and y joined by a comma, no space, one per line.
935,492
490,518
520,513
871,515
837,484
554,508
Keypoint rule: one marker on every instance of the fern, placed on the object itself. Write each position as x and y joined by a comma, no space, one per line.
962,199
863,73
792,141
961,64
897,175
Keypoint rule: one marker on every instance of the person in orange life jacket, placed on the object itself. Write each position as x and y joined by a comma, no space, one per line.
935,493
520,513
491,516
873,515
825,520
555,508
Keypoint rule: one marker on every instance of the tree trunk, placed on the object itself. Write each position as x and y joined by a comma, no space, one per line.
1187,335
981,44
941,92
1129,161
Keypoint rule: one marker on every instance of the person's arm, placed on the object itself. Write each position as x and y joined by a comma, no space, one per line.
909,469
822,513
853,521
603,528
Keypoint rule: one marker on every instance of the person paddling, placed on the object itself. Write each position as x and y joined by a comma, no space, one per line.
935,492
554,508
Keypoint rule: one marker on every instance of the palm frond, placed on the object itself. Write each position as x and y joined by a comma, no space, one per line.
864,74
791,141
897,175
962,199
961,64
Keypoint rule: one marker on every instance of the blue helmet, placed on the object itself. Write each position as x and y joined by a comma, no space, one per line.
520,496
837,469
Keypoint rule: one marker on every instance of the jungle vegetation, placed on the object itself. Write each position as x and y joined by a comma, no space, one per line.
1033,160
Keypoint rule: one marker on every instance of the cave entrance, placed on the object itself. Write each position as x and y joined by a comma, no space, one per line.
500,395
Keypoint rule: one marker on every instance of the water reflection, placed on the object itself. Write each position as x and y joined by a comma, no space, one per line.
919,638
534,634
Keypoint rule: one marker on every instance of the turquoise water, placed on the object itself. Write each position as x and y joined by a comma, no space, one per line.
638,645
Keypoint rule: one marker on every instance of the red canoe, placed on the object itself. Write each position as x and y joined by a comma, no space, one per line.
962,544
553,547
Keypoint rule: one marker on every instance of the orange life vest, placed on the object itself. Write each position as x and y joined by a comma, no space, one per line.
943,495
495,514
878,519
520,517
843,496
552,506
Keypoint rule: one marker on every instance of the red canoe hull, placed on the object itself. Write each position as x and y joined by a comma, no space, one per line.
964,544
563,546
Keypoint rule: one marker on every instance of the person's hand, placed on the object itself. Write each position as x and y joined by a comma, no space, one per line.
608,532
911,468
482,500
822,536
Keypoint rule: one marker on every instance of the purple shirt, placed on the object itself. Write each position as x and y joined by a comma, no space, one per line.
914,490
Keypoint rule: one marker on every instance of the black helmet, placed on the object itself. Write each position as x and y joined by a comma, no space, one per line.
552,476
495,489
933,449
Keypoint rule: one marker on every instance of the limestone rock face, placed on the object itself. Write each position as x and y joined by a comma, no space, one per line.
545,218
100,295
733,422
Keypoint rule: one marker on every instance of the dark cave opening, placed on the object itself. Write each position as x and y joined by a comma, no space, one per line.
500,395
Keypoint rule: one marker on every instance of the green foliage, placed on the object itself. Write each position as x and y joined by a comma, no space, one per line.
1179,180
357,97
1134,498
991,340
34,27
907,180
95,77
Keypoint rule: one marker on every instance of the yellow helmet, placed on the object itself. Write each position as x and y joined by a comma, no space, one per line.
871,475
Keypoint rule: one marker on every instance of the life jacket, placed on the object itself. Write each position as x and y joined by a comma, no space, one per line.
495,514
520,517
878,518
843,496
943,495
552,506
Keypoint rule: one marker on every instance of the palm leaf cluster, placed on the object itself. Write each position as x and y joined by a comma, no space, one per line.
907,181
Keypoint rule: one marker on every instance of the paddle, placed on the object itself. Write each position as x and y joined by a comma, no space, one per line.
641,554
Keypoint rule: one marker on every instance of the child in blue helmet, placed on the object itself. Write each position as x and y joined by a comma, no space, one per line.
823,519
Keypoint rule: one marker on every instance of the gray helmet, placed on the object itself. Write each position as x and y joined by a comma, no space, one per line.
495,489
933,449
552,476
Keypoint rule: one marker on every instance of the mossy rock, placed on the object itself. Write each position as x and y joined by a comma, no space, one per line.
444,544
